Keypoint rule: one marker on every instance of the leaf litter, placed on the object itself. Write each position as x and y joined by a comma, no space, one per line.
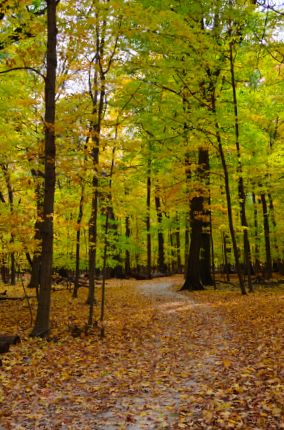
170,360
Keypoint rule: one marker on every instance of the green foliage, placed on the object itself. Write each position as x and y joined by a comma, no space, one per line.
167,58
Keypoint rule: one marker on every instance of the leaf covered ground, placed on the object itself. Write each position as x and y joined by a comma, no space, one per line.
170,360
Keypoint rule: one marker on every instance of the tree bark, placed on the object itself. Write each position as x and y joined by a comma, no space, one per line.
41,327
193,280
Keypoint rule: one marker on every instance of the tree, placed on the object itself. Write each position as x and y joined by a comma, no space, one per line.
41,327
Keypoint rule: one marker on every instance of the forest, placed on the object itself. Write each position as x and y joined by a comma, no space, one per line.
141,202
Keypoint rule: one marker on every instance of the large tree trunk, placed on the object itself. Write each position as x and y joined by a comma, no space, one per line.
193,280
205,263
41,327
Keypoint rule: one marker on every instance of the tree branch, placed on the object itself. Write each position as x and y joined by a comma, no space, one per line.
32,69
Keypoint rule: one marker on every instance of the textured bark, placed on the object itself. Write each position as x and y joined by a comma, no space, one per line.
200,246
41,327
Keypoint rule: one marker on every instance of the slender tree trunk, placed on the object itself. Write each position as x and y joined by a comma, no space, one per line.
161,249
187,220
41,327
177,234
7,177
36,262
148,220
127,252
274,225
241,189
226,262
268,262
93,235
95,131
97,92
228,198
256,235
186,242
78,241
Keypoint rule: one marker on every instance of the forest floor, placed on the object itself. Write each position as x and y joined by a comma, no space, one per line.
170,360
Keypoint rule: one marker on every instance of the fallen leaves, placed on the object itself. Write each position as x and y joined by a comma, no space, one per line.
210,360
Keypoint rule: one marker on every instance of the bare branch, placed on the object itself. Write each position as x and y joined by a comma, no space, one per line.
32,69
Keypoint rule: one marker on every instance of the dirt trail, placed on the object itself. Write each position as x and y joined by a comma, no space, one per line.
158,368
188,363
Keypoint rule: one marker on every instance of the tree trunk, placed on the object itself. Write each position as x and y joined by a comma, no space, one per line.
241,189
36,263
148,220
256,236
41,327
193,279
205,263
199,265
11,205
161,249
268,260
187,221
93,233
177,237
226,262
78,240
274,225
127,253
228,197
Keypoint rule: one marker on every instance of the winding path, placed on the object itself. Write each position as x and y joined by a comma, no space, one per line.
185,362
